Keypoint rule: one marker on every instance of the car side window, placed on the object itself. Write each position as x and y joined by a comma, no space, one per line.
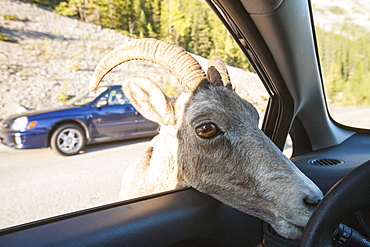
89,183
117,97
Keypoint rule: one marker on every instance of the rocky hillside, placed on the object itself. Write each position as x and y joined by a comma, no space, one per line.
48,55
342,16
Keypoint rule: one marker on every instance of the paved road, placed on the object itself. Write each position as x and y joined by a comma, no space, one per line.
358,116
39,183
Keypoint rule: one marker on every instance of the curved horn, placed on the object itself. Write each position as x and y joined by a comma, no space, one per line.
172,57
217,72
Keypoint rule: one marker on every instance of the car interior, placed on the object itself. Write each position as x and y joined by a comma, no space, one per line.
279,40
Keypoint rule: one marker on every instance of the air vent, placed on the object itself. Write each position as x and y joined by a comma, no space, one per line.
326,162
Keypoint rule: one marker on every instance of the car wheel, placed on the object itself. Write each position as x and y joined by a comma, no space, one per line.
68,139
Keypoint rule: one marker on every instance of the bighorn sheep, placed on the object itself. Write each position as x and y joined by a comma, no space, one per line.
209,140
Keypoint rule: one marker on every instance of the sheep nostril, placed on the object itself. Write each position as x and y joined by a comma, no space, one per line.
312,201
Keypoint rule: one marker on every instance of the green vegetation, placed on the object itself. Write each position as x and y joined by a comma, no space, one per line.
337,10
345,65
345,59
4,37
9,17
190,24
13,18
63,95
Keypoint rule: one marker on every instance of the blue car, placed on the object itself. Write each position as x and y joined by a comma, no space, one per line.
100,116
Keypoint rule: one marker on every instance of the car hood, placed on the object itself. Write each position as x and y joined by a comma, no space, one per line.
60,111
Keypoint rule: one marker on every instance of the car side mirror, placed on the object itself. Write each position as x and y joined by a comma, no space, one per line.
101,102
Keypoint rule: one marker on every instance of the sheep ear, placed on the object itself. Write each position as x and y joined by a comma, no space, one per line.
217,73
149,100
214,76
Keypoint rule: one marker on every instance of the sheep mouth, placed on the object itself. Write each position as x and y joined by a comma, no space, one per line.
287,229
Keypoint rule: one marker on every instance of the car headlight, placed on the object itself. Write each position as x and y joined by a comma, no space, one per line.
19,124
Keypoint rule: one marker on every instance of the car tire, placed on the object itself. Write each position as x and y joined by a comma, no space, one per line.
68,139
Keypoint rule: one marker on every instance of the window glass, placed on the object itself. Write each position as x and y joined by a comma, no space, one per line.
50,60
117,97
87,97
343,37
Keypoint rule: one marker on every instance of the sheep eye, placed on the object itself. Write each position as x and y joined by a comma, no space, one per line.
207,130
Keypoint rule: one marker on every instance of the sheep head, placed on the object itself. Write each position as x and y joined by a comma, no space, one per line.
209,138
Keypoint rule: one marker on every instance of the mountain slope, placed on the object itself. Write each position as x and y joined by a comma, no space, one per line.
342,16
55,54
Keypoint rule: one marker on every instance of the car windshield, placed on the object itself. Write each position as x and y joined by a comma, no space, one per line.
343,35
86,98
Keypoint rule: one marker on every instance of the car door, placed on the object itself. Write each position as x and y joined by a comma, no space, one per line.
113,116
143,125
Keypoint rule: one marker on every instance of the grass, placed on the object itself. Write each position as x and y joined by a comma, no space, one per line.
337,10
13,18
9,17
4,37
